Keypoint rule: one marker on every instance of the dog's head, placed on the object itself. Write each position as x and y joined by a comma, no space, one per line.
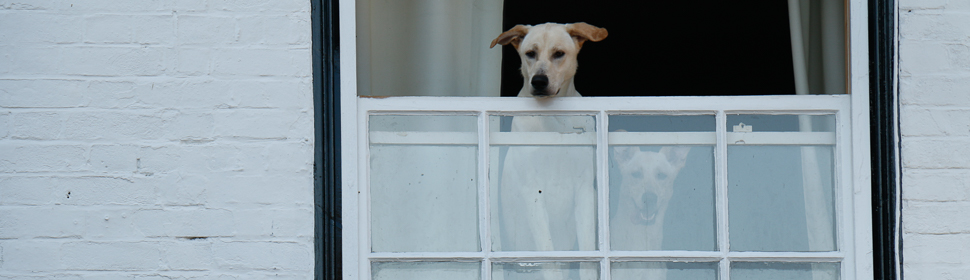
648,179
548,53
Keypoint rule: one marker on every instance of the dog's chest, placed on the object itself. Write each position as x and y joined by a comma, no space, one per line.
561,124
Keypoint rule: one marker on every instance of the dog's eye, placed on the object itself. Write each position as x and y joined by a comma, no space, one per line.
558,54
638,175
661,176
530,54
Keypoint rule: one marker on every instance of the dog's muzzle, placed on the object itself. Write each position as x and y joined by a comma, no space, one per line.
540,83
648,214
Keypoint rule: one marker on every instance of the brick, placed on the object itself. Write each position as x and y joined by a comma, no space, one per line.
194,61
184,93
290,222
935,153
936,90
939,27
37,125
5,124
35,60
99,6
111,224
114,158
187,254
28,191
42,158
181,189
28,28
191,127
265,30
935,217
935,271
289,158
114,61
923,4
40,222
110,29
262,124
207,30
184,222
104,190
285,256
932,57
43,93
256,5
114,93
934,121
156,159
262,62
286,94
153,29
936,184
236,191
91,125
31,255
936,249
110,255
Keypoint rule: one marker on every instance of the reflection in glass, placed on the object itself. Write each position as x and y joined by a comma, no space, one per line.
423,186
546,270
781,195
788,271
662,195
425,270
664,270
542,189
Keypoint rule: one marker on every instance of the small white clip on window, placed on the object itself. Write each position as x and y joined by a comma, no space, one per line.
741,127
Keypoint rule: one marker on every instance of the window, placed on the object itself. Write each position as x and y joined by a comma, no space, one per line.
396,137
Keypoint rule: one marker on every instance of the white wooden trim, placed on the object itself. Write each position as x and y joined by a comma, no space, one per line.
615,138
858,264
350,152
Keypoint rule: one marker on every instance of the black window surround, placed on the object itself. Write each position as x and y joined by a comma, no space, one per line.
883,135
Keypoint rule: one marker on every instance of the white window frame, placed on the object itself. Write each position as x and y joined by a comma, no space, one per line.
853,205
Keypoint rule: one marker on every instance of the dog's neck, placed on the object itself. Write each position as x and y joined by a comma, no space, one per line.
567,91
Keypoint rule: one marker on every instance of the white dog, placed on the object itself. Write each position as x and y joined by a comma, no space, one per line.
646,184
547,200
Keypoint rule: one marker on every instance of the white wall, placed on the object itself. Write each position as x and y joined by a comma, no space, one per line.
156,140
934,93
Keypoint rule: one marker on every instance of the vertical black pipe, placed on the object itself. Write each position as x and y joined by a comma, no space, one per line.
326,107
882,112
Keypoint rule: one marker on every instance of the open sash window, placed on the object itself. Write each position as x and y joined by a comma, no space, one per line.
700,187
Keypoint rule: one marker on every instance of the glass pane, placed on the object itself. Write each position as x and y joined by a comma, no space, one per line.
662,195
662,270
781,197
782,123
546,270
788,271
425,270
542,188
423,183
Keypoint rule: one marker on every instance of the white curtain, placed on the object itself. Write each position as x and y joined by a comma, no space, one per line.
818,55
818,45
428,47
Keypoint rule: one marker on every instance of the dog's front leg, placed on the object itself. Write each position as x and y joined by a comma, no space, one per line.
542,235
585,213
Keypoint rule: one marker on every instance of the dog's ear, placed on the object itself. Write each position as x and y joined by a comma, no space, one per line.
583,32
623,154
512,36
677,156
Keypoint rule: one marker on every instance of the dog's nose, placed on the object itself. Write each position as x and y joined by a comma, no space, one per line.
650,202
540,82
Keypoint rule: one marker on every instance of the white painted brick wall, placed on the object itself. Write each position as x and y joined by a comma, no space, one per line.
934,50
164,139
